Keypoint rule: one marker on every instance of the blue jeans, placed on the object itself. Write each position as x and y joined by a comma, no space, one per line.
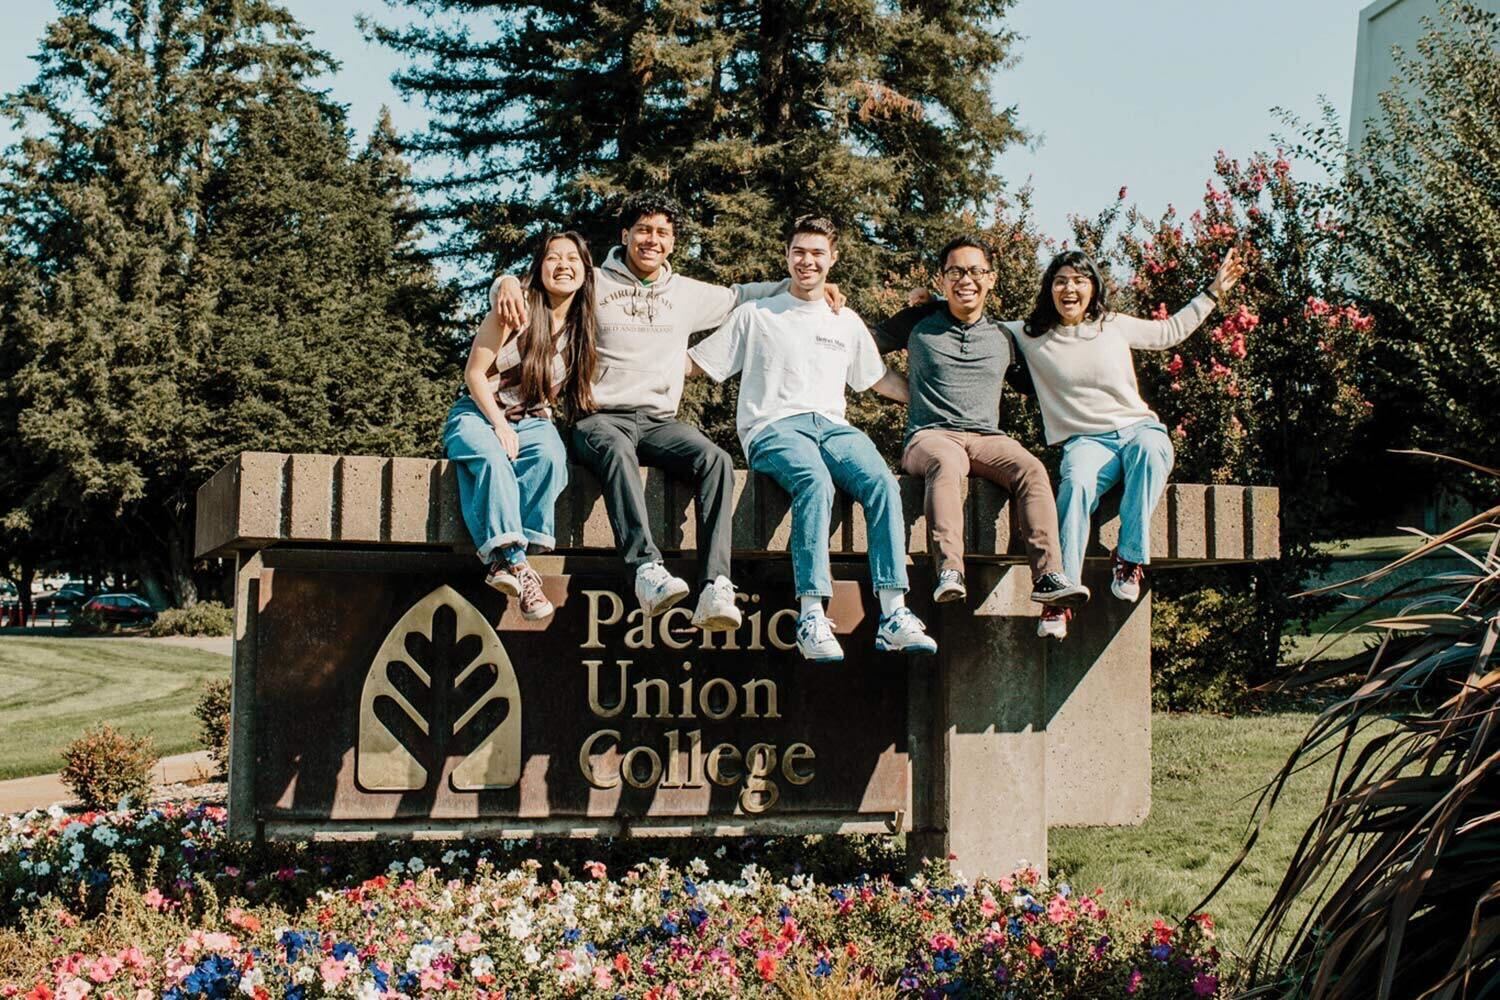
808,456
1092,464
505,503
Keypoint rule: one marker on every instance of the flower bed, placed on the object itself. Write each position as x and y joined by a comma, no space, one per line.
473,927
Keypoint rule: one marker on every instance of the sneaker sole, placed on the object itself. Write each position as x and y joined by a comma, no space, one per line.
505,587
823,659
884,647
1126,597
716,623
538,615
667,602
949,595
1059,636
1072,597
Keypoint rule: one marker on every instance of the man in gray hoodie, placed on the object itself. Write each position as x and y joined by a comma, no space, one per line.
646,313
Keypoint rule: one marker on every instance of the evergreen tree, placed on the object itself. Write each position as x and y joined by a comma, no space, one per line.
879,116
209,269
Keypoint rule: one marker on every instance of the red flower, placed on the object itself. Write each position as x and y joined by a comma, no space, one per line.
41,992
1175,365
1034,947
765,964
1162,932
622,963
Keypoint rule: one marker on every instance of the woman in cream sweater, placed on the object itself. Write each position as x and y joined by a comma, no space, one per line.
1078,354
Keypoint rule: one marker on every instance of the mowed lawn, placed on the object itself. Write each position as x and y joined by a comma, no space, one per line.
52,689
1206,771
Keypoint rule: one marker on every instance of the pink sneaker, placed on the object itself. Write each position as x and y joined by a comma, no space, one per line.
534,603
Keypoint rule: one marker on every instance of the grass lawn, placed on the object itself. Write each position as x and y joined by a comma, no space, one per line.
1395,546
1205,772
51,689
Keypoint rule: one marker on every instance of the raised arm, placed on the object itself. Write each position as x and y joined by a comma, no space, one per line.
894,333
1164,334
508,301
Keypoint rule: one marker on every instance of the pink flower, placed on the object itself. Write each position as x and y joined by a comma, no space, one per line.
596,869
1174,367
1217,370
332,972
1007,884
1059,910
154,899
987,907
1160,312
103,968
1237,346
1315,307
1135,981
432,978
133,957
1205,985
942,942
1281,166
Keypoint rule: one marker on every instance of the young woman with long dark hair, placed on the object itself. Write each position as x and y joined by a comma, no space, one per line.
511,462
1078,354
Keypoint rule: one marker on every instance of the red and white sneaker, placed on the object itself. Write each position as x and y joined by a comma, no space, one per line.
534,604
1054,622
502,576
1125,582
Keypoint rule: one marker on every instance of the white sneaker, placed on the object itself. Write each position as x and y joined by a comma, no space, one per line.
815,639
503,579
950,587
716,611
1125,578
1054,622
656,589
902,631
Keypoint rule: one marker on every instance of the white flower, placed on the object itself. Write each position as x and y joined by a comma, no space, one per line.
519,922
41,869
107,836
368,991
531,955
250,980
304,974
698,867
421,957
395,868
482,965
415,865
55,811
797,880
720,851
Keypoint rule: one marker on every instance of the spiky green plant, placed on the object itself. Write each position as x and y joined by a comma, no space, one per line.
1394,890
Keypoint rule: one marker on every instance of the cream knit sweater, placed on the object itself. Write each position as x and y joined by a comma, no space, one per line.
1084,375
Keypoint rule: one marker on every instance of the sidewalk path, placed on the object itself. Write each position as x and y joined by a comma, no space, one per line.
39,792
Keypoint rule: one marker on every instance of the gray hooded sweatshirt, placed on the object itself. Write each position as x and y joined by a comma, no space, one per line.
644,330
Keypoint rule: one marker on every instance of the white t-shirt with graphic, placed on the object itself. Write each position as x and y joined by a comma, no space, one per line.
793,357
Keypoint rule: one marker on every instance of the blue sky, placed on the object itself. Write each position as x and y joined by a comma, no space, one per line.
1138,94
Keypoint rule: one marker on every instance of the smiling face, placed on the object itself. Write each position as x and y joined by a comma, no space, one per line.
809,258
562,268
648,244
974,279
1072,291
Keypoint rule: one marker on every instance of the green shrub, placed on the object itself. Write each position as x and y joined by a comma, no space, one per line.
104,765
1199,657
212,711
90,623
204,618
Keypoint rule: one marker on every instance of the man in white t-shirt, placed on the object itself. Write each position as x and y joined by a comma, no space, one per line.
794,356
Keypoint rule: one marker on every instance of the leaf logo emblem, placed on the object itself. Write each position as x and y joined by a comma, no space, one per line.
440,686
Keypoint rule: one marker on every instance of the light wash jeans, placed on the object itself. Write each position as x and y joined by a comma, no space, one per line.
808,456
505,503
1092,464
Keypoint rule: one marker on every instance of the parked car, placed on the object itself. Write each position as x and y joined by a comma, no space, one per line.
122,609
60,602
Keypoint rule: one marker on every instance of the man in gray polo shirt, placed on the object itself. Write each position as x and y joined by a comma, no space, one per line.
958,359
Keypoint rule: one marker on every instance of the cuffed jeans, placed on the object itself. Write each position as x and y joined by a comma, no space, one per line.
808,456
505,502
614,444
945,458
1092,464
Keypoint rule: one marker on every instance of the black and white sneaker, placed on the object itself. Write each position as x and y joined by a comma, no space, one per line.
1054,589
950,587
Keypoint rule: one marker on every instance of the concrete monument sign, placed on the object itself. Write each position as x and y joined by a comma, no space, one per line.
380,689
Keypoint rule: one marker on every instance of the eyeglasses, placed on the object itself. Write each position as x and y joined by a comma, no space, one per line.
958,273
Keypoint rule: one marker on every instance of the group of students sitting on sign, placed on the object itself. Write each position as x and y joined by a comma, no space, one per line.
608,346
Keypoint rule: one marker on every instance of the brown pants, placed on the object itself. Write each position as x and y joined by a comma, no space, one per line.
945,458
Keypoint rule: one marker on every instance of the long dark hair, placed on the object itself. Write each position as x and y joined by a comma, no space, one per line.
538,339
1044,313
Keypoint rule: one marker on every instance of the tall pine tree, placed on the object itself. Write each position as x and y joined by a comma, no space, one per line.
208,268
750,111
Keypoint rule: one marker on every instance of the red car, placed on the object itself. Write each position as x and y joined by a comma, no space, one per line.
121,609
